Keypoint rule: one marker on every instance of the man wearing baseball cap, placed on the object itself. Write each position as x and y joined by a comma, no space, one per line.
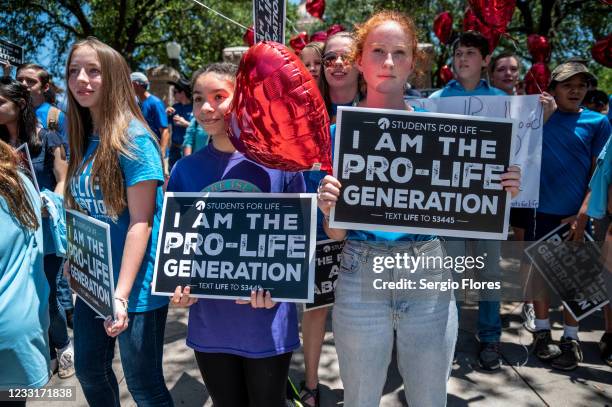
572,139
153,109
181,114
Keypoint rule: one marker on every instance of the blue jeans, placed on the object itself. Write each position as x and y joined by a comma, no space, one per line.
424,323
64,294
141,346
489,320
58,330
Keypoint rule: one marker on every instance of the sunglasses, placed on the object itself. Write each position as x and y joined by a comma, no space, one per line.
330,58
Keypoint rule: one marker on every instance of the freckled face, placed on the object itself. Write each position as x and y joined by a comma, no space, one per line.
387,59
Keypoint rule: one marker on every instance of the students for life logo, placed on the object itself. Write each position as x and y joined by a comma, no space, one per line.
200,205
384,123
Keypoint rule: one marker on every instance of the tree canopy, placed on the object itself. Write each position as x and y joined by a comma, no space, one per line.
139,29
572,26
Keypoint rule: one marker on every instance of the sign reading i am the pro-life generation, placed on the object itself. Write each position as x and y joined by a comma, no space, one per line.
269,20
574,270
329,254
527,141
423,173
224,245
11,53
90,258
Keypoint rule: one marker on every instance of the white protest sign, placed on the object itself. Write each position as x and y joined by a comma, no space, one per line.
527,142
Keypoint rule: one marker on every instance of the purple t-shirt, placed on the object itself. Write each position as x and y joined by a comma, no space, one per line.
222,326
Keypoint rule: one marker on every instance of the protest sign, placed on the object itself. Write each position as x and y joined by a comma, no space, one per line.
329,253
269,20
11,53
223,245
421,173
574,270
527,137
91,266
26,152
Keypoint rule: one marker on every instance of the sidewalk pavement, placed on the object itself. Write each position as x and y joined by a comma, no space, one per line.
522,381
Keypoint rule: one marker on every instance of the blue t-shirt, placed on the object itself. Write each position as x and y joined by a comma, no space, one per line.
145,165
43,161
154,112
186,112
222,326
602,178
24,304
42,112
570,141
454,88
195,137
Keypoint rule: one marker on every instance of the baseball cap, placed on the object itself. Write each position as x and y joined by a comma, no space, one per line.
568,69
181,84
139,77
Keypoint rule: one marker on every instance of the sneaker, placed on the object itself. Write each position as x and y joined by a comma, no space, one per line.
309,397
571,355
605,347
528,314
543,345
489,357
66,362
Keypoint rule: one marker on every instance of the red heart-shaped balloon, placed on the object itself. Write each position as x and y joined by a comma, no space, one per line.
335,28
319,36
537,79
471,22
315,8
446,74
602,51
496,14
278,117
249,37
298,42
443,26
538,47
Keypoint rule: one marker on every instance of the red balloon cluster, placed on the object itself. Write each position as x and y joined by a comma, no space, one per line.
278,117
335,28
537,78
538,47
471,22
249,37
299,41
495,14
315,8
443,26
602,51
319,36
446,74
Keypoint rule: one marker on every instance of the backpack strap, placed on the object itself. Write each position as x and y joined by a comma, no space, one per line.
53,118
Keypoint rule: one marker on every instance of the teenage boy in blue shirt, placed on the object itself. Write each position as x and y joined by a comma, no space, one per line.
573,137
471,56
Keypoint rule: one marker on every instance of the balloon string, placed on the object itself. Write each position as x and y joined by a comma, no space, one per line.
296,31
240,25
515,44
220,15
